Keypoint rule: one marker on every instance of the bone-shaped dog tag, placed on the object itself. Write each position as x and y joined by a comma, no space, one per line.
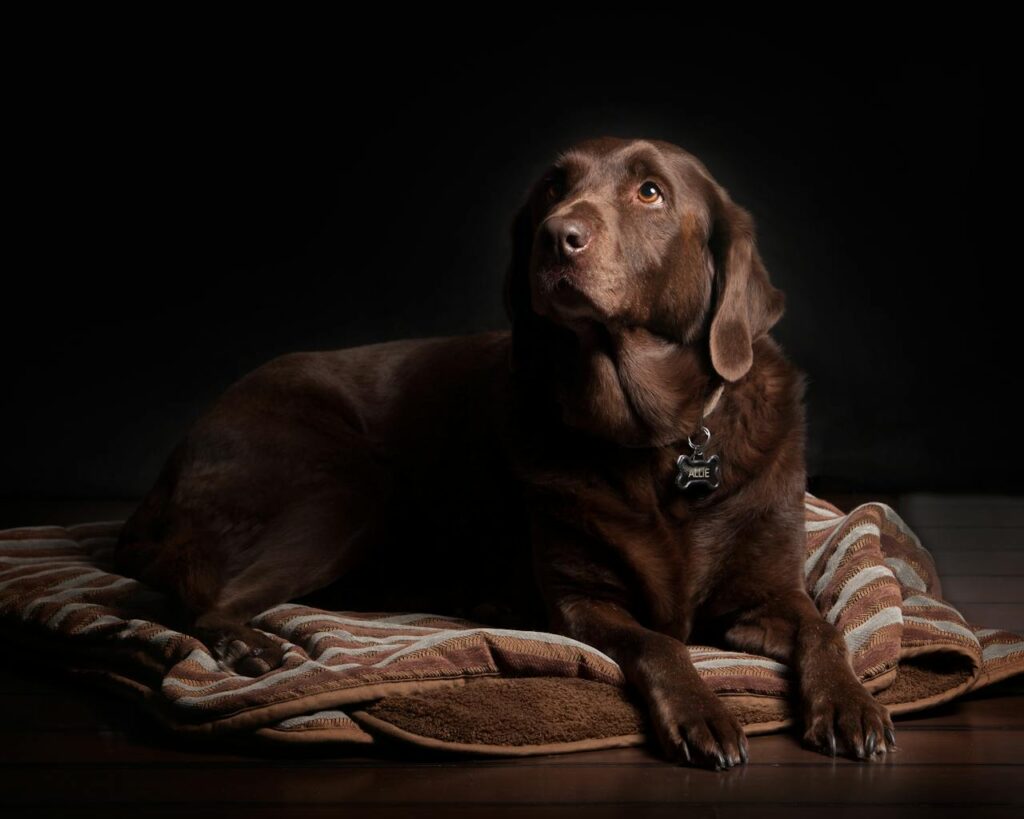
697,471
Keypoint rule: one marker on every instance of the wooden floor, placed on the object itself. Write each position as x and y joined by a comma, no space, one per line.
82,752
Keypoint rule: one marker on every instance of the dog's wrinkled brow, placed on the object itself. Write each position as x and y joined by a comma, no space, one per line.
643,164
572,161
639,160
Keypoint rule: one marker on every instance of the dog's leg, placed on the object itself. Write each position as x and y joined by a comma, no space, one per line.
307,546
221,581
838,712
691,723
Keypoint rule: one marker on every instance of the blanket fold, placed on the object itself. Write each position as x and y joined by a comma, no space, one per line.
366,678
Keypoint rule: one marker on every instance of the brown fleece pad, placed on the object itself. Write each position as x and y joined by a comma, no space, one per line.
526,715
362,678
519,715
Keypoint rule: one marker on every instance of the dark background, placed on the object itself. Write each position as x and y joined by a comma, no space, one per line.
190,207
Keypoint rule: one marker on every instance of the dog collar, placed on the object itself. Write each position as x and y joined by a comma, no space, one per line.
713,400
696,471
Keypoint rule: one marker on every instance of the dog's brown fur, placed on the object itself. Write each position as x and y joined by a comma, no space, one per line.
526,478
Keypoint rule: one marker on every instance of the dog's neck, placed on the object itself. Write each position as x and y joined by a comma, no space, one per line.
635,388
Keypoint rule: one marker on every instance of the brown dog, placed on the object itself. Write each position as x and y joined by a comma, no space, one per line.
530,478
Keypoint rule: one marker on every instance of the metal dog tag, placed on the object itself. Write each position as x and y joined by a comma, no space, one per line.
701,472
697,471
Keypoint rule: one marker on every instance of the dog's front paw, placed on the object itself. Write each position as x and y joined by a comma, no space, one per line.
847,720
699,730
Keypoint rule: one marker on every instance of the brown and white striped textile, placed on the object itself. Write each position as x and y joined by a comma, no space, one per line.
360,677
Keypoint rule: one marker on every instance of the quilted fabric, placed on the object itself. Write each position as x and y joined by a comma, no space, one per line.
444,682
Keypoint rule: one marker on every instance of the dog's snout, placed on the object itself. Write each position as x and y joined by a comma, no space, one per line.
569,236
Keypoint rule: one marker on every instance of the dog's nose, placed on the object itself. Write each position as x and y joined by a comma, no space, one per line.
568,235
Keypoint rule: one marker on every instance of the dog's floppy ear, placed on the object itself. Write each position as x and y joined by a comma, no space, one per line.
747,305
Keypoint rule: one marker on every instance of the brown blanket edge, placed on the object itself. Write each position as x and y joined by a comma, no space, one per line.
389,730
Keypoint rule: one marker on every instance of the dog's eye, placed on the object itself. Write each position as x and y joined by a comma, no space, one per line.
649,193
553,189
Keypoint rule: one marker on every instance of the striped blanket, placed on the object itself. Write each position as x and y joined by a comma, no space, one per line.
364,678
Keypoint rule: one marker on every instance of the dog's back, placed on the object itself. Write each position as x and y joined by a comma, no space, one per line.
368,478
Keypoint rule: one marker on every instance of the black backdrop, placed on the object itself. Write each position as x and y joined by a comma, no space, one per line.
189,208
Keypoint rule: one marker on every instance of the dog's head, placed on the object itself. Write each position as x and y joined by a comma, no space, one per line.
637,233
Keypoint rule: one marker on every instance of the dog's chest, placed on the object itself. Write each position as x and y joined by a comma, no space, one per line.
670,542
692,561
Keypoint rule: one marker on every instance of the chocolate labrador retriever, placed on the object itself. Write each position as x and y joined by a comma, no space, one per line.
562,476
